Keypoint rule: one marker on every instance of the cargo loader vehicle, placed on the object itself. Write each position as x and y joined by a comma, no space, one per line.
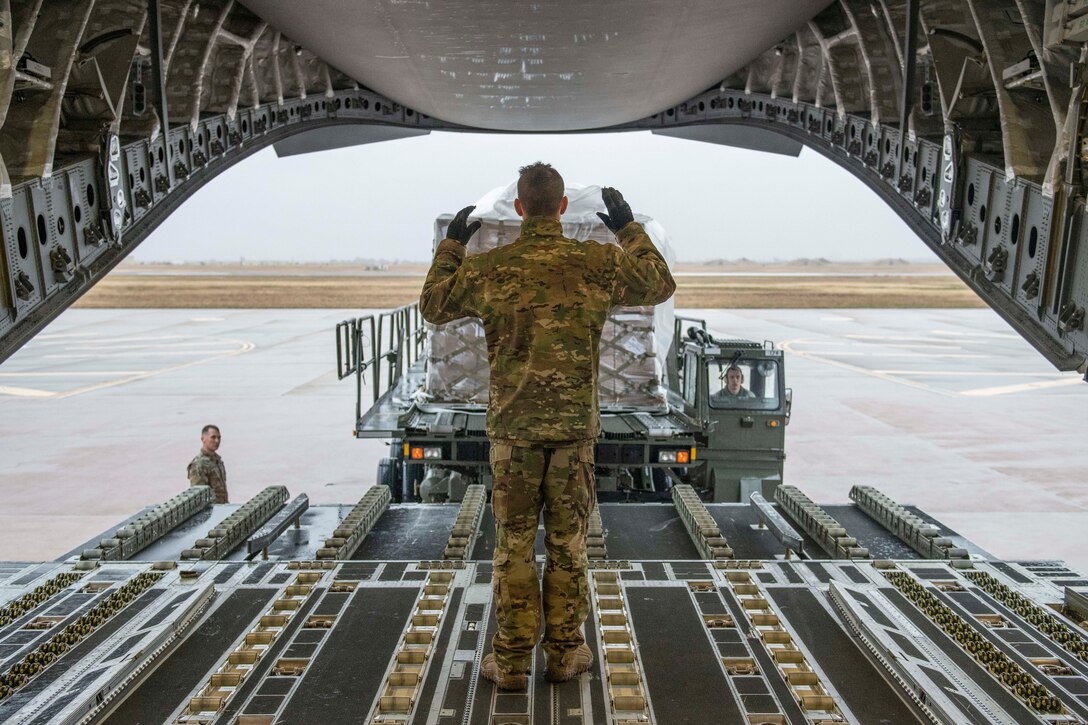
725,447
667,415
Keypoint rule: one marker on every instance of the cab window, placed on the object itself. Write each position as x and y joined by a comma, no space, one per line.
691,380
744,383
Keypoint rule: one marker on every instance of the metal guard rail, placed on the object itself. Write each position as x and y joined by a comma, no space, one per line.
362,343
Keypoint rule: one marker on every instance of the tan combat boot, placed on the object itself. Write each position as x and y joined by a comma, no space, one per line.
489,668
570,665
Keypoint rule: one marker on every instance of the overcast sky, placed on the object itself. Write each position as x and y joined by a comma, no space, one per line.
379,201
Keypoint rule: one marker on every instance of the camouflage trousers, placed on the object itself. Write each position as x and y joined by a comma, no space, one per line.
559,481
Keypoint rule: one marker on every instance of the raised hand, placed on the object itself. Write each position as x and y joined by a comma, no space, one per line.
460,230
619,212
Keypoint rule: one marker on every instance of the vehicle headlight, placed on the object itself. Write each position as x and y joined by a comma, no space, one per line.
681,457
432,453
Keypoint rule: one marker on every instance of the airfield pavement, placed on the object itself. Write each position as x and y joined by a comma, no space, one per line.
946,409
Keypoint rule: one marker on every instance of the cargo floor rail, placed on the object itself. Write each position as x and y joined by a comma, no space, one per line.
919,535
236,528
267,534
62,641
1008,673
621,669
16,609
770,519
212,695
809,687
415,654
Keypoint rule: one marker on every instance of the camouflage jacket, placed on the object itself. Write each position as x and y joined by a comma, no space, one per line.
543,301
209,470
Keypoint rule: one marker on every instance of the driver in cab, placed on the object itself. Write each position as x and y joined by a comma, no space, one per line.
734,389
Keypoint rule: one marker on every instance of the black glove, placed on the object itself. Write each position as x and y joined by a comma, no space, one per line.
460,230
619,212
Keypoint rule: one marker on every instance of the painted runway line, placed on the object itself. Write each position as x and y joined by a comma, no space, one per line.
904,376
110,348
1023,387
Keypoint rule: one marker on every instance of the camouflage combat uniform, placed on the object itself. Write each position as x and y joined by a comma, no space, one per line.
543,301
208,470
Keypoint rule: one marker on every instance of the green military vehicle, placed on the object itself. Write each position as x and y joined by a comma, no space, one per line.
721,428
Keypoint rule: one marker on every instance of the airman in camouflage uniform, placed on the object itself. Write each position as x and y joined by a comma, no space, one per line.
207,468
543,301
734,389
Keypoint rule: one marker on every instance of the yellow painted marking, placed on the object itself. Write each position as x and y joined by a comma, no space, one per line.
968,373
71,374
932,355
90,339
990,335
917,345
60,335
26,392
244,347
899,338
787,346
1022,387
123,377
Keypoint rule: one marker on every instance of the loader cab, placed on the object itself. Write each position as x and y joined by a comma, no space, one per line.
737,388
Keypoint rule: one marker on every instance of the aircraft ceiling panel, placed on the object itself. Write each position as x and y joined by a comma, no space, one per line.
538,66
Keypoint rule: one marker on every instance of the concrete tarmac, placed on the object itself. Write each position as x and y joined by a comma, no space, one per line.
949,410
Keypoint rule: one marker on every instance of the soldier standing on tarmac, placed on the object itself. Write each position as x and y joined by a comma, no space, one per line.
207,468
543,301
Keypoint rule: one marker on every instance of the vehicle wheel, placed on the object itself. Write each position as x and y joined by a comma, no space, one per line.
389,475
415,473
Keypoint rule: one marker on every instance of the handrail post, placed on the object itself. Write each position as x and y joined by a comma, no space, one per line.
374,354
356,354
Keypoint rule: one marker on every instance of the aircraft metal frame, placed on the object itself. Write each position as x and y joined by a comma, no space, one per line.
989,176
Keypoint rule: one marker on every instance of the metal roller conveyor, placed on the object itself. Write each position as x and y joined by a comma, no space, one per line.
913,530
234,529
395,639
811,690
596,547
19,674
820,525
466,527
152,525
700,524
357,524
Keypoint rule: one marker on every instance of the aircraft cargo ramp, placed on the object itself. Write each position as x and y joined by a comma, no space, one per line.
768,612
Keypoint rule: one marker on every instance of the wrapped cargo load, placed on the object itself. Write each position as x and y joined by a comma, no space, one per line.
634,342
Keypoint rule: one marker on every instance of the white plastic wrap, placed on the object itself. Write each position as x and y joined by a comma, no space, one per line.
634,342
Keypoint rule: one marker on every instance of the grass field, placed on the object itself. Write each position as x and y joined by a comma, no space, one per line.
300,290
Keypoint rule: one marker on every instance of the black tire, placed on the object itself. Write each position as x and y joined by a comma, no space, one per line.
389,475
415,472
